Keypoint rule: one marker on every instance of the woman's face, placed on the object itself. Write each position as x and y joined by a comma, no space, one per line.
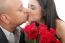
34,10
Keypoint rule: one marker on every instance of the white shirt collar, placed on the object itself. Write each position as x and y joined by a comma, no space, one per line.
7,33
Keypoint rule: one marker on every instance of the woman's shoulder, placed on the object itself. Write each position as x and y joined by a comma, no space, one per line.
60,28
60,23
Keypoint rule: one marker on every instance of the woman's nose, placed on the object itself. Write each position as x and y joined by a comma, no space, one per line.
27,11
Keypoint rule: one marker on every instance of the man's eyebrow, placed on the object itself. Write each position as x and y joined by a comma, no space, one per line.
20,7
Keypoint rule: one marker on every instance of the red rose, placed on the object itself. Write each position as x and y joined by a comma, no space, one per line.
47,38
51,38
31,31
53,31
45,35
58,41
42,29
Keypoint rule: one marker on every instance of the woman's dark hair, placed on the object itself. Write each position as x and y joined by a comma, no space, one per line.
49,10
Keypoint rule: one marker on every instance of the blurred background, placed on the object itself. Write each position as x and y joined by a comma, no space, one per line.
60,6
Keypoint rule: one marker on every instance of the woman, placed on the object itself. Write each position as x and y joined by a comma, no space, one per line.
44,11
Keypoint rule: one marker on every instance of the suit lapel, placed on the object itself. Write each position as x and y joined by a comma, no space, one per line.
22,38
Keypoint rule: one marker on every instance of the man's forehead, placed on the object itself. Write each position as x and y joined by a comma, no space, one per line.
14,3
23,3
9,4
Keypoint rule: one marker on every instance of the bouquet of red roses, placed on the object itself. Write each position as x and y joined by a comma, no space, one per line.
40,34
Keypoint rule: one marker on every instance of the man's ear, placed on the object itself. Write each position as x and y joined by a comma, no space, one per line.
4,18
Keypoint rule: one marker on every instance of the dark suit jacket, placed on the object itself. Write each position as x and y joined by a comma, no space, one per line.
22,38
3,38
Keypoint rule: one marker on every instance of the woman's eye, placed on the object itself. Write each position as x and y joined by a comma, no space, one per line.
32,7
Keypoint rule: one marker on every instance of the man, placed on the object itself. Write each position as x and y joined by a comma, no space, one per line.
11,16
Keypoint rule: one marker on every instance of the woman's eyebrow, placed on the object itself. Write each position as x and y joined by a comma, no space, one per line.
33,7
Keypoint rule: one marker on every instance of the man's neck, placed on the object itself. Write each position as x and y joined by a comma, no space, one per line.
9,28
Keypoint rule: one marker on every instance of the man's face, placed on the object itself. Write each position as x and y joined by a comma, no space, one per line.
16,12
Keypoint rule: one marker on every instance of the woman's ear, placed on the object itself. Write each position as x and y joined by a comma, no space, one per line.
4,18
